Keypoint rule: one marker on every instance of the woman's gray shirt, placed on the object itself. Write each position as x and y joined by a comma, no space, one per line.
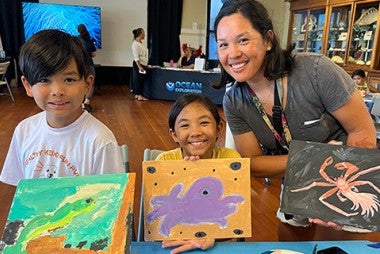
316,86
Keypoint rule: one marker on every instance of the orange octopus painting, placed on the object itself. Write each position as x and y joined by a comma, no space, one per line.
333,183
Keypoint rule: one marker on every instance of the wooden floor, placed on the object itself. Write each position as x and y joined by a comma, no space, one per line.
142,125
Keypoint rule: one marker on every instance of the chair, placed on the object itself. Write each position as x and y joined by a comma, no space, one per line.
125,157
149,155
3,80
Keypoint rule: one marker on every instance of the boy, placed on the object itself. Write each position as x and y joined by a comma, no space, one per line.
62,140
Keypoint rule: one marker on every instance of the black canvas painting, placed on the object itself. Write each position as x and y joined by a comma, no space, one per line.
333,183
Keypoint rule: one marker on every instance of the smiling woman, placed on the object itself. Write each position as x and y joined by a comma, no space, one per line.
266,106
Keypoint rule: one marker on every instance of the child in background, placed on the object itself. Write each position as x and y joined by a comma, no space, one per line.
360,81
195,124
63,139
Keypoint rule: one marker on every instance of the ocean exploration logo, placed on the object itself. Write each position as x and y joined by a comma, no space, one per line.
184,87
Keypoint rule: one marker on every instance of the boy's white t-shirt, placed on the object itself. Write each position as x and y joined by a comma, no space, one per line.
85,147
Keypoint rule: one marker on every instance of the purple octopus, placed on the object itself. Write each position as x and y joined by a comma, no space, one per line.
203,203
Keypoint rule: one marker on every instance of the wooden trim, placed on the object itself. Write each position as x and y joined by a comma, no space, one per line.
307,4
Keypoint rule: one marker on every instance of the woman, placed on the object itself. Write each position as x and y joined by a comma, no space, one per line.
277,97
187,60
140,63
88,42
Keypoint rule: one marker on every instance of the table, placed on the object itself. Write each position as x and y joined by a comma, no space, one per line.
172,83
355,247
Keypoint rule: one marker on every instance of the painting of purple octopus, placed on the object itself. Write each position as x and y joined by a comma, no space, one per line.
201,199
333,183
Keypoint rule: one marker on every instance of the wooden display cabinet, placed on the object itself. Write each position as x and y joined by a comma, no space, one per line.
346,31
307,25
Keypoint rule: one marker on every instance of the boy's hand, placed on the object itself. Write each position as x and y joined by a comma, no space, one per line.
186,245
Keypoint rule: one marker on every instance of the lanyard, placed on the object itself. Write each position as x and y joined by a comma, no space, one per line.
284,138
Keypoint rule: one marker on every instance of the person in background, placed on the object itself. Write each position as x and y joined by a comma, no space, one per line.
195,124
140,63
187,60
63,139
277,96
360,79
88,42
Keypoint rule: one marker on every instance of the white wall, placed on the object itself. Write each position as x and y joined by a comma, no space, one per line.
194,21
195,11
119,18
279,11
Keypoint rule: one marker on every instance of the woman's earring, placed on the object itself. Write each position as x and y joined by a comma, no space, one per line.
269,48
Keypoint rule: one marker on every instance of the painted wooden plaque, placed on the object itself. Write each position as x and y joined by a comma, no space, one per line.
201,199
82,214
333,183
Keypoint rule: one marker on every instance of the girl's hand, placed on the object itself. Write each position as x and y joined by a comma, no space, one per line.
186,245
191,158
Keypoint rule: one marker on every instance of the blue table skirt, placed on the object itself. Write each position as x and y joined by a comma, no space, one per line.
354,247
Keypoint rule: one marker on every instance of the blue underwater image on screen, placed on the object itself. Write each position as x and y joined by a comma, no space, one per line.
214,8
39,16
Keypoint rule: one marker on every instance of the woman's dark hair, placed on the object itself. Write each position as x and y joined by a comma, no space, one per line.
277,62
185,100
83,32
137,32
50,51
358,72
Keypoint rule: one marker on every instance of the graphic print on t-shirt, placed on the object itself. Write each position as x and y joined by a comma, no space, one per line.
47,163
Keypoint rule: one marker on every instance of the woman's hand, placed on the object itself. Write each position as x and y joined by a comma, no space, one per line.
186,245
329,224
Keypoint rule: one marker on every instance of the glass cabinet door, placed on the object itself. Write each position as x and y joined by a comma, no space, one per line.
363,32
299,30
338,33
315,31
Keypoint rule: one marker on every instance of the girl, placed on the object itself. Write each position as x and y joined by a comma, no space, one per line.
195,124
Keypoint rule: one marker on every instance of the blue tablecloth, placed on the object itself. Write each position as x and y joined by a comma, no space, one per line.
170,84
354,247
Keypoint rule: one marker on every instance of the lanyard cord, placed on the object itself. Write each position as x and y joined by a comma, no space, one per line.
279,127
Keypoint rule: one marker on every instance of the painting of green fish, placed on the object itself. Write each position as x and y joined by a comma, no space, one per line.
81,214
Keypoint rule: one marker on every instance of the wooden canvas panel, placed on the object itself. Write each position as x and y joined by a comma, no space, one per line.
202,199
333,183
81,214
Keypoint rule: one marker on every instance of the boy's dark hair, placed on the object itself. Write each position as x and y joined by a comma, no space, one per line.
277,62
358,72
50,51
185,100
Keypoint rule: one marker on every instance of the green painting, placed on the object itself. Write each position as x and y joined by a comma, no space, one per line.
86,214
